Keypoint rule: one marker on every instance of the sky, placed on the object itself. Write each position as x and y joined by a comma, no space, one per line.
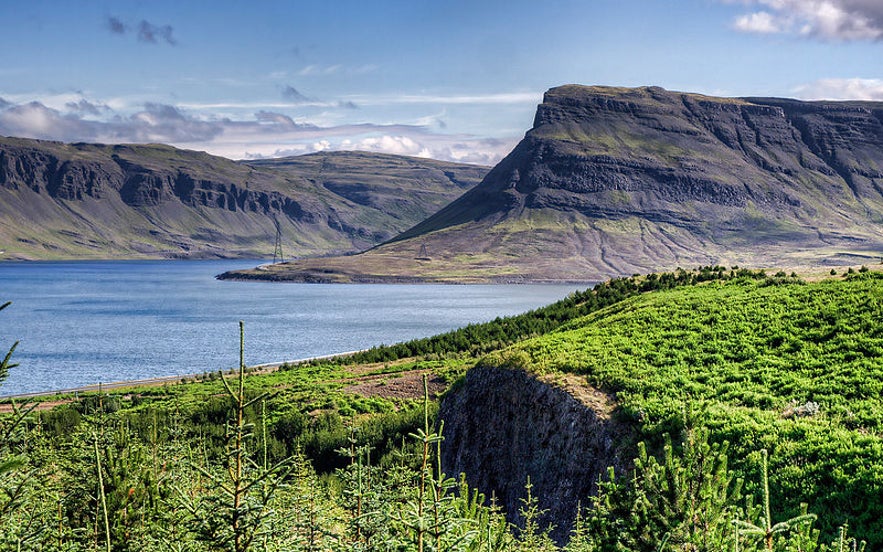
446,79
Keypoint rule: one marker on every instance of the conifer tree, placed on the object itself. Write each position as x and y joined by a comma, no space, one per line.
16,475
233,512
690,497
765,531
6,365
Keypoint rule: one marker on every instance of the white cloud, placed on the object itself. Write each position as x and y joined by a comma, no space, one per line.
430,121
32,118
760,22
265,133
842,89
826,19
85,107
272,118
321,145
410,141
454,99
400,145
356,101
63,101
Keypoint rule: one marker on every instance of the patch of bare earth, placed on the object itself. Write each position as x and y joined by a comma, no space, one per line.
600,402
405,385
41,405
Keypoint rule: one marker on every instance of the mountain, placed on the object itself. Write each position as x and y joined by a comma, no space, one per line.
65,201
613,181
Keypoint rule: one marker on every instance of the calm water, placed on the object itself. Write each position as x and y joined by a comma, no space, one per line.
81,323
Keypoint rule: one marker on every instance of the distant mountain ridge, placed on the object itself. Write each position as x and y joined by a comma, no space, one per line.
612,181
65,201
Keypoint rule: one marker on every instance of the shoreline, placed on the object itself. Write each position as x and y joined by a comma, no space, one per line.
260,275
162,380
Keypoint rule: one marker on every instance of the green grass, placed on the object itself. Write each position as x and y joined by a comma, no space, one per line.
745,355
745,358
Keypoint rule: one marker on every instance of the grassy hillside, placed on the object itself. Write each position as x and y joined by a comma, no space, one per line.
407,189
761,362
76,201
796,369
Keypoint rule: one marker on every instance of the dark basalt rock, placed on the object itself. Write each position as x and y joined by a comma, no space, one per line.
692,161
503,426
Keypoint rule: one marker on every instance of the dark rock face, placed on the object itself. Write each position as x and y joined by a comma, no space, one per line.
160,201
779,155
646,179
74,180
504,425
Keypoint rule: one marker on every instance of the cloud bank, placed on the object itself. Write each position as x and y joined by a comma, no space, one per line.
266,133
843,20
842,89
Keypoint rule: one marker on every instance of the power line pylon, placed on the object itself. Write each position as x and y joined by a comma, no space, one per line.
424,253
277,251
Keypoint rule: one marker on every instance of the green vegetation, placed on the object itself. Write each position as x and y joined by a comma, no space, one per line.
757,398
793,368
479,339
6,364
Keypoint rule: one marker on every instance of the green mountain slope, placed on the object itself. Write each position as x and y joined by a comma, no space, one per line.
613,181
94,201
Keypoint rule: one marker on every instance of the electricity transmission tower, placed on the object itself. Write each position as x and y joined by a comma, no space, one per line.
424,253
277,251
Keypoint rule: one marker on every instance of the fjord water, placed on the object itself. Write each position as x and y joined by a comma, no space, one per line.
81,323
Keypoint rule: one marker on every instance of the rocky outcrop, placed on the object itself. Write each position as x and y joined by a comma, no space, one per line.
160,201
503,426
617,181
693,161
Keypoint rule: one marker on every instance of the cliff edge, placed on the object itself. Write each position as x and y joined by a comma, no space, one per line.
504,425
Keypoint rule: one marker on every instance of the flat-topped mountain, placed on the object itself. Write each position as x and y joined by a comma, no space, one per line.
613,181
63,201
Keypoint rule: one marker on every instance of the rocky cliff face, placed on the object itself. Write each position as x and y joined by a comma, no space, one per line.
694,161
82,200
504,425
631,180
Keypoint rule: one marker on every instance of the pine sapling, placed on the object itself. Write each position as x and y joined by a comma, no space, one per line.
767,531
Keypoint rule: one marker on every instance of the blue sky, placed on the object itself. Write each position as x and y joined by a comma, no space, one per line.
451,80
